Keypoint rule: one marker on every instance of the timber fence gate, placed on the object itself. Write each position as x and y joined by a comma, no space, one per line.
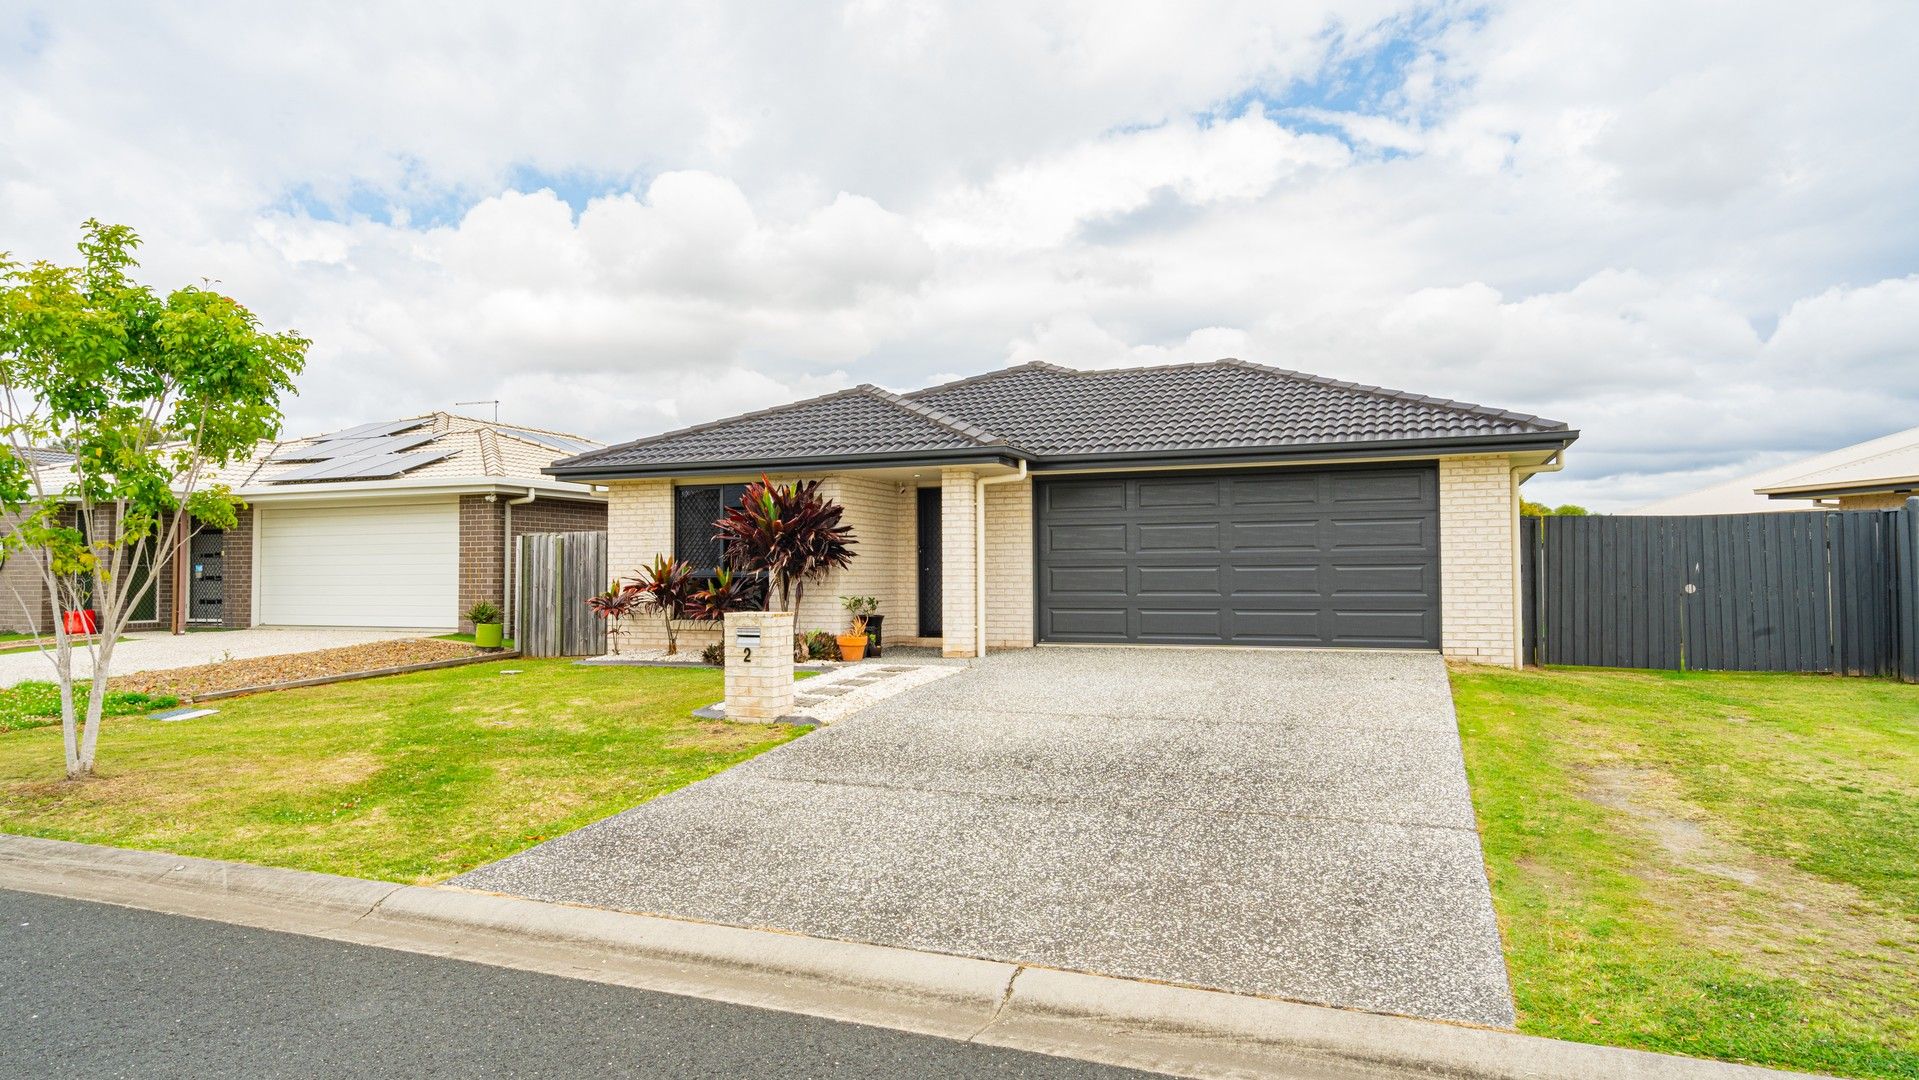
556,572
1817,591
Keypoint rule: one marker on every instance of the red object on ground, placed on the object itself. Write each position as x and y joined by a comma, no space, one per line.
81,622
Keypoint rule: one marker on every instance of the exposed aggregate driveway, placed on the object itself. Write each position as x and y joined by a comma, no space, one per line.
1288,823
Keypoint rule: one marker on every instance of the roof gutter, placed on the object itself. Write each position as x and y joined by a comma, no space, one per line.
1246,455
1010,457
1834,491
322,491
589,473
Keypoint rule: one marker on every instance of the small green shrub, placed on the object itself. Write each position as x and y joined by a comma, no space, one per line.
714,654
37,704
821,645
486,611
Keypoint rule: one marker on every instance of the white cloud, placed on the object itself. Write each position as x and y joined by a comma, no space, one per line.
1689,231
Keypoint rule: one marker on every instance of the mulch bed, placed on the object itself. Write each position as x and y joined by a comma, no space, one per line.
263,670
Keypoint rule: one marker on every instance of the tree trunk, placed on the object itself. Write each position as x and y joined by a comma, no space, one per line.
63,672
799,638
96,706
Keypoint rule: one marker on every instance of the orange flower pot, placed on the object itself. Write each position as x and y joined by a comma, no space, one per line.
852,646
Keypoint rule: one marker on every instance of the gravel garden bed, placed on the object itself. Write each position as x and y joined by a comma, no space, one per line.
238,674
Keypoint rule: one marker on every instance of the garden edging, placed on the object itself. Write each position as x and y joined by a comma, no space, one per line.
350,676
1090,1017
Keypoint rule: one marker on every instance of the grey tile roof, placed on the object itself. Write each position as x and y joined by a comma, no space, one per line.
1053,411
1044,411
860,421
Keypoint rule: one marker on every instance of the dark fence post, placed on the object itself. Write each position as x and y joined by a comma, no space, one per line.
1905,575
1530,584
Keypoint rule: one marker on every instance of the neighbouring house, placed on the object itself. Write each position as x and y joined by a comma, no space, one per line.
1878,474
402,523
1225,503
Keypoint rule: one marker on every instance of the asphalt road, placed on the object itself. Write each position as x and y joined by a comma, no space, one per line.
91,990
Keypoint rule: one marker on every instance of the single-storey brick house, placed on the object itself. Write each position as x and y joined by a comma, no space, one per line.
399,523
1225,503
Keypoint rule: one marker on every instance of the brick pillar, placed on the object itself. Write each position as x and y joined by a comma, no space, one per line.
1479,559
958,562
759,687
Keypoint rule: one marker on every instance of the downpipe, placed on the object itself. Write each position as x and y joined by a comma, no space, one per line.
979,552
506,557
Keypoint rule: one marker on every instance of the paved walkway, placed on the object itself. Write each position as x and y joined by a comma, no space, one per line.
157,650
1286,823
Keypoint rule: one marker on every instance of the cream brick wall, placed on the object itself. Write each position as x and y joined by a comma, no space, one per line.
1009,565
957,562
882,558
640,526
1479,559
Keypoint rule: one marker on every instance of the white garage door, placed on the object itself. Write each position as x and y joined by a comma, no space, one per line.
384,564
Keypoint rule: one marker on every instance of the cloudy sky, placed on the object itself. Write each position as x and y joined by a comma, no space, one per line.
1691,230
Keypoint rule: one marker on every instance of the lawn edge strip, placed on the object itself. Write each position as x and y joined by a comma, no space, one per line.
351,676
1098,1018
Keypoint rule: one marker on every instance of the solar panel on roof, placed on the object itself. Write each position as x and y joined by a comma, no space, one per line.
367,452
544,438
368,467
335,449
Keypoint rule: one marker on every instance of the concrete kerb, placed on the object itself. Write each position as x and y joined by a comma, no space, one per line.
1181,1030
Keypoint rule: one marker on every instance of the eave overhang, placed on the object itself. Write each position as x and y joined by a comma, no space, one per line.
1006,456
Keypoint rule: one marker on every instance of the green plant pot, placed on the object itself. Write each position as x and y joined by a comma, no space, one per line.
489,635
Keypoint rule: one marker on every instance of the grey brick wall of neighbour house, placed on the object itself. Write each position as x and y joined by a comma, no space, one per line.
26,607
23,595
236,604
237,607
483,547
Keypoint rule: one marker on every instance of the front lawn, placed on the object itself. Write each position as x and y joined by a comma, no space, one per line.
410,778
1710,864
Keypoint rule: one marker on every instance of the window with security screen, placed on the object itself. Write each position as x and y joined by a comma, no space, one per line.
695,509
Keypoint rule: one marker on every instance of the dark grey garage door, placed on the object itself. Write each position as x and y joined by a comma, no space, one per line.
1338,556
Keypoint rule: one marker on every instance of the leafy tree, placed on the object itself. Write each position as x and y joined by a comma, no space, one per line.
147,394
1533,509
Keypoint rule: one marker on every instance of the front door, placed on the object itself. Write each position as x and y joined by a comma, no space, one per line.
206,567
929,561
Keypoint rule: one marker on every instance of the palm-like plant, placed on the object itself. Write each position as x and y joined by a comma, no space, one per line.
790,532
665,585
612,605
726,592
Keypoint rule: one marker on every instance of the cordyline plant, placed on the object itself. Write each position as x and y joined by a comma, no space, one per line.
614,604
726,592
147,395
791,533
664,585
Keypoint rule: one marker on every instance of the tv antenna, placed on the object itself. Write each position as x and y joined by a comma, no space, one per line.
495,402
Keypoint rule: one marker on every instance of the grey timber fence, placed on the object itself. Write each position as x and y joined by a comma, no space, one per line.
1821,591
556,572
